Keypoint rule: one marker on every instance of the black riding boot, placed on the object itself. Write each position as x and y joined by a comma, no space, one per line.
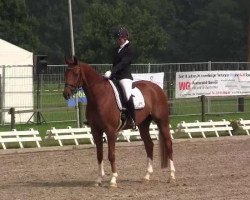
131,110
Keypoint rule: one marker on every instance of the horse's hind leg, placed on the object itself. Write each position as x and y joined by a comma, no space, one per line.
149,146
166,148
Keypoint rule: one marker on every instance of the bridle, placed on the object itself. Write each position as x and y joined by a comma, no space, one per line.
73,88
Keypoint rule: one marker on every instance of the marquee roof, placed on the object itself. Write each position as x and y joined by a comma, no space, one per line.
11,54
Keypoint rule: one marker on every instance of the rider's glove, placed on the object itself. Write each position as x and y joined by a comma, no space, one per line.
107,74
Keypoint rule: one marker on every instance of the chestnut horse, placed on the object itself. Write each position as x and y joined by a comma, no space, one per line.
103,115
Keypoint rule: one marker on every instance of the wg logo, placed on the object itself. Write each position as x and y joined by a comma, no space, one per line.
184,85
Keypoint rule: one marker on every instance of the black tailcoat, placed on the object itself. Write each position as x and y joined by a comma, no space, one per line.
122,63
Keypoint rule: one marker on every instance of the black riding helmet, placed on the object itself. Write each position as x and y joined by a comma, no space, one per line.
120,32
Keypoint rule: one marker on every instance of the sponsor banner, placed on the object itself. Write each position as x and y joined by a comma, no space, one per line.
81,98
212,83
156,78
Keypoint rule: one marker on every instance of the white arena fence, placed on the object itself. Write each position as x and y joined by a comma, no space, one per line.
70,134
245,125
20,137
217,128
75,134
51,104
205,127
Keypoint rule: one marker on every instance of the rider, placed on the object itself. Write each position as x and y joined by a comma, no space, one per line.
121,68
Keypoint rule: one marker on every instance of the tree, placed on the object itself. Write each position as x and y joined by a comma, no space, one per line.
148,38
16,26
245,7
161,31
248,38
218,33
53,31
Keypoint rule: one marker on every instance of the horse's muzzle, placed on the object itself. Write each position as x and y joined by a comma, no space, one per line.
66,96
67,93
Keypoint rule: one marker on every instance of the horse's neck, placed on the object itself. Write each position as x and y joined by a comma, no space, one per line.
93,83
91,76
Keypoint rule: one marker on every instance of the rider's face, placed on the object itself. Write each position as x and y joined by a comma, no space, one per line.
121,40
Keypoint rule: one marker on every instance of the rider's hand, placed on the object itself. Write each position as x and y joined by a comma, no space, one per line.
107,74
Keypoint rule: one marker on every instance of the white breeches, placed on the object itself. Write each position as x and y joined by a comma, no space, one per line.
126,85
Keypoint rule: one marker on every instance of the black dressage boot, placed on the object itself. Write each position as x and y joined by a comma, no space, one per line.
131,110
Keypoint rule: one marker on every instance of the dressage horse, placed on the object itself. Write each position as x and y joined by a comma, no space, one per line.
103,115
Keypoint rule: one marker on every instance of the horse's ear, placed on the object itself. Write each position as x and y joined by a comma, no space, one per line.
71,61
75,60
66,60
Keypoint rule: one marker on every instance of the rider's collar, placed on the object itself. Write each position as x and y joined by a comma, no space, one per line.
123,45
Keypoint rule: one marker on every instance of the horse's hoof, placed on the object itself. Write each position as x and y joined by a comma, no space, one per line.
113,185
97,184
146,179
171,180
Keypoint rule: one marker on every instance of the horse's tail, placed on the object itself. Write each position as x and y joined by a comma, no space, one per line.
165,143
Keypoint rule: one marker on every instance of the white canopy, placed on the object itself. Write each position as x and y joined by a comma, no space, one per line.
11,54
16,73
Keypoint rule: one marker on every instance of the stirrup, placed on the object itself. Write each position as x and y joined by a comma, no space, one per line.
133,124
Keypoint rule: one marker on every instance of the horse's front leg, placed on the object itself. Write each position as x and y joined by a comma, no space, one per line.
111,156
99,152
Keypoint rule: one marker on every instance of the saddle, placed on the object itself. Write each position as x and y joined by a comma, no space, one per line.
137,97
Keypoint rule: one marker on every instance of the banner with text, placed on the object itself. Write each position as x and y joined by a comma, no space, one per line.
212,83
157,78
81,97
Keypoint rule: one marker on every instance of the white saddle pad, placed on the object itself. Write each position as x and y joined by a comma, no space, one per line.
138,98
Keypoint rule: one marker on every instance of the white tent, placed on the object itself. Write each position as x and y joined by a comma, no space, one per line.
11,54
16,73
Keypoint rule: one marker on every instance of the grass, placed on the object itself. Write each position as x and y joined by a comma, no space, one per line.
215,105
